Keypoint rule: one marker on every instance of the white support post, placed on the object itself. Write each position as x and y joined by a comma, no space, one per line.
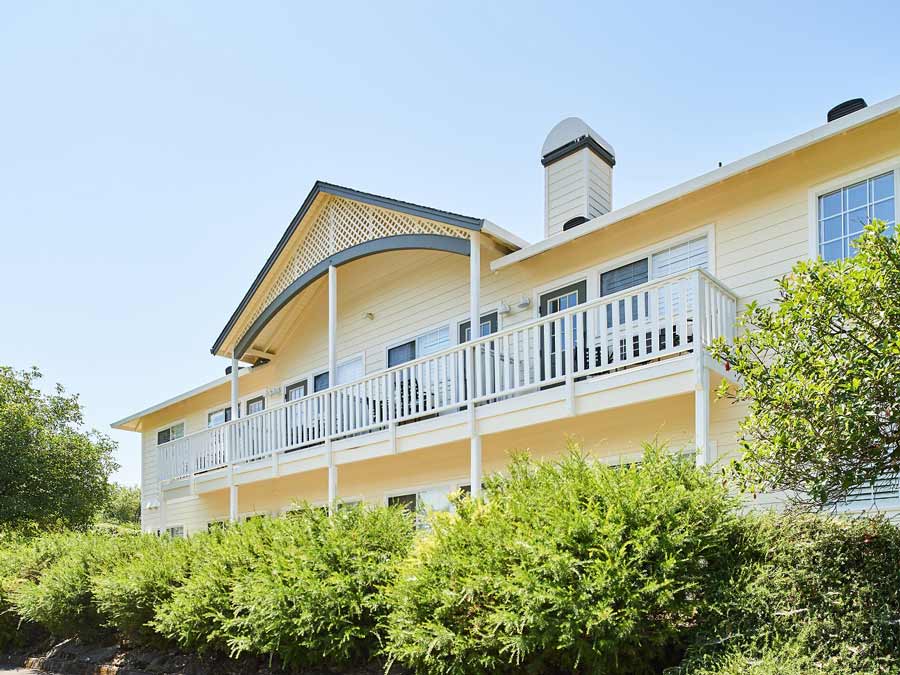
475,333
332,381
701,374
233,503
701,414
234,386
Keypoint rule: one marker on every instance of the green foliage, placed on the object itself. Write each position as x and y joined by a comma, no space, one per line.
815,591
314,597
60,596
51,471
128,593
821,373
569,566
123,507
303,589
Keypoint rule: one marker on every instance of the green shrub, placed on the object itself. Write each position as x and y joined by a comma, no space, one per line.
823,590
12,552
568,566
59,597
302,589
128,593
313,597
195,614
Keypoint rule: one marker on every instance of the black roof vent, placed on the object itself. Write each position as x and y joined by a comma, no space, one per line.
845,108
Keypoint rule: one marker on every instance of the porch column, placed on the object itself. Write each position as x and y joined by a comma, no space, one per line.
332,381
234,386
475,333
233,503
701,372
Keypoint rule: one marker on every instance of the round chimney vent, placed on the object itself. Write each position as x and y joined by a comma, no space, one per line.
845,108
570,135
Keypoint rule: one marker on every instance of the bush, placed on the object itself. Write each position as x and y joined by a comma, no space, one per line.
59,595
568,566
314,597
128,593
303,589
819,590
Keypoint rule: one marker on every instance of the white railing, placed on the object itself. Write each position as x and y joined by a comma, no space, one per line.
647,322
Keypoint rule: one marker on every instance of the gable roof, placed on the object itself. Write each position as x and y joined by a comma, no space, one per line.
804,140
320,187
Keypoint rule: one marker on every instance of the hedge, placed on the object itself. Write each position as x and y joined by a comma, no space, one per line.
565,566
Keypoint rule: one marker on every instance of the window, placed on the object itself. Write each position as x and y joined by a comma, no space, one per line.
563,298
428,343
169,434
489,325
217,417
295,391
349,370
843,213
680,258
559,301
409,502
255,405
175,531
423,501
620,279
216,525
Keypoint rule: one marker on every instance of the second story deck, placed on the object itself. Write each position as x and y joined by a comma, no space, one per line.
643,329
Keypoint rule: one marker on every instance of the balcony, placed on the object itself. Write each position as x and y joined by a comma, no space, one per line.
651,323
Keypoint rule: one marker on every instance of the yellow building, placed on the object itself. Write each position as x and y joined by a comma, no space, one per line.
355,375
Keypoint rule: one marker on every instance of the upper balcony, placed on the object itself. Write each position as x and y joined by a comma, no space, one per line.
646,325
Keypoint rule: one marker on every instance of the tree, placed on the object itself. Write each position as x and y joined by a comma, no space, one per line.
52,471
123,506
820,370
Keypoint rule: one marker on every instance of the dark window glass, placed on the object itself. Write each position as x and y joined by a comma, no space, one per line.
626,276
574,293
402,353
407,501
163,436
217,417
320,382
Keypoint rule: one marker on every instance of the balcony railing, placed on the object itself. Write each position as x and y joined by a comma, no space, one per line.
641,324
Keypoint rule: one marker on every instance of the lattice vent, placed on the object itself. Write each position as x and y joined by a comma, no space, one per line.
341,224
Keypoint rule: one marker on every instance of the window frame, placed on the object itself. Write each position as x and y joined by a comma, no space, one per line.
295,382
492,318
169,426
842,181
321,371
413,337
226,407
184,531
258,397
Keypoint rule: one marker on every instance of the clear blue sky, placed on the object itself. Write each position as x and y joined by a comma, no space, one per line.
151,154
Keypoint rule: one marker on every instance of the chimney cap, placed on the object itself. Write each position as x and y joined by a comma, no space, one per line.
572,134
845,108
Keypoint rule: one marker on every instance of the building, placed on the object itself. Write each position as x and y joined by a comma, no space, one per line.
361,377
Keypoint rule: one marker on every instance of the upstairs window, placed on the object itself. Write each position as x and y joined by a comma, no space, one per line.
428,343
489,324
348,371
255,405
295,391
843,213
217,417
169,434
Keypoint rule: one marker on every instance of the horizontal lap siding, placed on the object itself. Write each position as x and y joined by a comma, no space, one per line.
761,229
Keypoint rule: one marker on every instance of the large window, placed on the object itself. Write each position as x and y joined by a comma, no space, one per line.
169,434
349,370
843,213
428,343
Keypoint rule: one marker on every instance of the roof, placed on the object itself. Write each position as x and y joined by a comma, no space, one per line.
570,135
320,187
719,175
126,423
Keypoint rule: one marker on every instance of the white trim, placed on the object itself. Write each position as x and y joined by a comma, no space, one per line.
412,338
842,181
748,163
120,424
504,236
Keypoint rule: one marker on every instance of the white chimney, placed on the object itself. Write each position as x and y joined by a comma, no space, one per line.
578,166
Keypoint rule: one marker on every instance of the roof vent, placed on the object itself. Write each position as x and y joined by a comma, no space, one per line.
845,108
